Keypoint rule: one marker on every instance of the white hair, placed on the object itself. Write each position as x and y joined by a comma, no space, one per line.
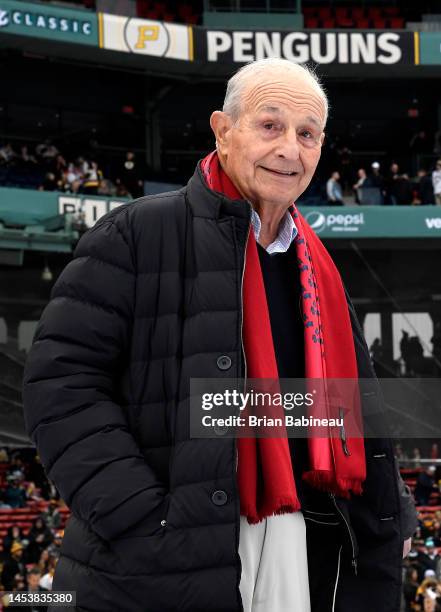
253,70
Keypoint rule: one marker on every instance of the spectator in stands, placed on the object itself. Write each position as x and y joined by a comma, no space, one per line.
51,516
50,183
32,493
46,151
131,175
334,190
55,547
14,534
48,576
375,179
73,177
436,182
15,494
345,164
7,154
403,190
91,180
40,537
26,159
425,486
33,585
362,176
13,567
425,188
16,467
401,455
390,184
35,473
410,586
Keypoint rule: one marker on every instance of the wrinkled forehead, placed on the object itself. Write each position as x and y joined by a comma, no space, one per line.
282,94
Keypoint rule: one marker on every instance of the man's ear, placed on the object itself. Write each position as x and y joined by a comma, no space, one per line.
221,125
322,139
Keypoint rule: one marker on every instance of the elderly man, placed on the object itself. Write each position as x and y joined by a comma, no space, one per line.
220,279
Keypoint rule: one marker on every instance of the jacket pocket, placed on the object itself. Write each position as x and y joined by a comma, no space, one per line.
380,487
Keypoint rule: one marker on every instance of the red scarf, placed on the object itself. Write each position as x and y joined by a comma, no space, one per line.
269,488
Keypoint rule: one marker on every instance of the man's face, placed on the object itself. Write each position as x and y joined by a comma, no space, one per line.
272,152
33,580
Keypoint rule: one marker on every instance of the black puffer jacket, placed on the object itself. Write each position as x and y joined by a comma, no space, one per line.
151,299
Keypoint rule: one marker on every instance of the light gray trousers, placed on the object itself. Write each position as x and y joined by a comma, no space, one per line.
274,564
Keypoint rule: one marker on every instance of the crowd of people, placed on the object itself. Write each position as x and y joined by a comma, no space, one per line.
392,187
53,171
28,557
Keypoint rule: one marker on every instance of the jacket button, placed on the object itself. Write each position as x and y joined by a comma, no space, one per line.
219,498
224,362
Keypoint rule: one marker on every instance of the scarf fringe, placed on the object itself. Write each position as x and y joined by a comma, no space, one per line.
283,506
326,481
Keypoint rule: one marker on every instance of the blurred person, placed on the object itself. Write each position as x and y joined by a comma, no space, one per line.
47,577
429,559
390,184
14,534
334,190
54,548
362,176
92,180
47,151
13,566
32,585
416,456
50,183
7,154
131,175
40,536
403,191
157,515
436,182
32,493
51,515
376,180
4,456
425,486
410,587
345,164
425,187
27,159
15,494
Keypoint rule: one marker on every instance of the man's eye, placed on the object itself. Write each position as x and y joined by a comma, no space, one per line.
307,132
268,126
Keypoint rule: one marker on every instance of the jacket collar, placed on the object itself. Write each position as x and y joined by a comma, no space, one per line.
210,204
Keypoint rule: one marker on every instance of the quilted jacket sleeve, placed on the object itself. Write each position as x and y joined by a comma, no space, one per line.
70,410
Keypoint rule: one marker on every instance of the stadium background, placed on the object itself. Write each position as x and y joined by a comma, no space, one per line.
104,100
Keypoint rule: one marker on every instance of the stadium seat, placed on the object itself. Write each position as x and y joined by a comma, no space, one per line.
374,12
397,23
328,23
324,12
391,11
344,22
379,23
311,22
357,12
341,12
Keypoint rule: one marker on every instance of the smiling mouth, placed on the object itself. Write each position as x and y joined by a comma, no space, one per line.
280,172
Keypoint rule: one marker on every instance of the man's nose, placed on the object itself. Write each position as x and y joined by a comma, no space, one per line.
288,145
